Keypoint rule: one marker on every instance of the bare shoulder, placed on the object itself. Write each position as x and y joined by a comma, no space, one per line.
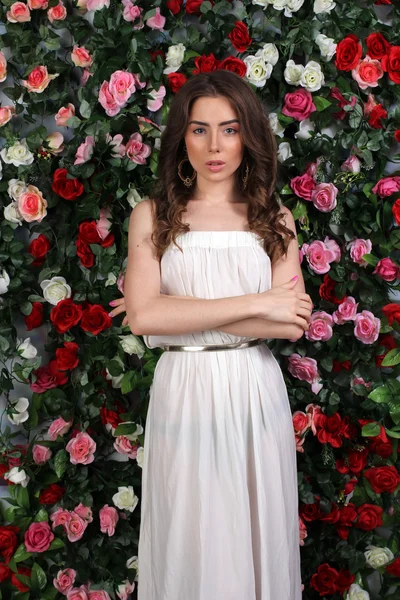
288,219
141,220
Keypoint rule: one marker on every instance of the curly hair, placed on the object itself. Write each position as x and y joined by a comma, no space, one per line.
169,194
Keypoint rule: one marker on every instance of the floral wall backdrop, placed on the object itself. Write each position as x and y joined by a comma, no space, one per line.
85,90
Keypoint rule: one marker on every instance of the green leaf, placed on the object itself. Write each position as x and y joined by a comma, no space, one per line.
321,103
21,554
56,544
371,430
370,259
22,497
85,109
41,516
128,382
392,358
393,434
73,122
125,429
60,463
380,395
38,576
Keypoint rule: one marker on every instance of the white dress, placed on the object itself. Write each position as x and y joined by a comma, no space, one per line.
219,504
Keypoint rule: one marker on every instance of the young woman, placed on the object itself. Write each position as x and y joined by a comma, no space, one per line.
210,265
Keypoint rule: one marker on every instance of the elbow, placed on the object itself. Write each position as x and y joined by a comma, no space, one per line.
297,334
134,324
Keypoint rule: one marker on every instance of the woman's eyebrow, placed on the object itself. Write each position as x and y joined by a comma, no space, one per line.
223,122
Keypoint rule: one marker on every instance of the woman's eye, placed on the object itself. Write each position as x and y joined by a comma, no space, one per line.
201,129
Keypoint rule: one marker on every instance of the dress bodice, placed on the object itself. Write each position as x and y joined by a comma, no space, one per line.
212,264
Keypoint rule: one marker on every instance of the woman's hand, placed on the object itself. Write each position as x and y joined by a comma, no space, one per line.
285,305
119,307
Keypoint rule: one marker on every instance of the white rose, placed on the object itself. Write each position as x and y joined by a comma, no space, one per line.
125,589
132,563
258,71
111,279
326,45
18,154
304,128
293,72
278,4
17,475
292,6
330,131
27,349
276,127
133,437
174,59
15,188
4,282
284,151
269,53
378,557
139,456
18,411
116,381
12,214
125,498
323,6
357,593
312,78
134,197
55,289
132,345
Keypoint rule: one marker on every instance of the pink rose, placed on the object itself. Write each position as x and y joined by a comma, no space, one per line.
346,311
41,454
59,427
131,12
359,381
301,422
387,270
324,197
136,151
19,13
299,443
306,369
85,76
352,164
38,537
156,101
78,593
81,448
107,100
303,186
84,151
334,248
97,4
125,589
120,282
31,204
359,247
313,410
38,79
75,527
38,4
157,21
45,380
55,142
298,104
320,329
319,256
57,13
302,531
85,512
366,327
81,57
387,186
3,67
124,446
103,225
6,114
64,580
122,86
64,113
367,72
312,167
116,142
108,519
98,595
60,517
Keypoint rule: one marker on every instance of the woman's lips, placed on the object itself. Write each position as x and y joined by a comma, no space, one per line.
215,167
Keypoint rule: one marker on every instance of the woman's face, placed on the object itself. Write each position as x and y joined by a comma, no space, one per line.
213,133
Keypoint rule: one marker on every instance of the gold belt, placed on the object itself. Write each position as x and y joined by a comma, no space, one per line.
213,347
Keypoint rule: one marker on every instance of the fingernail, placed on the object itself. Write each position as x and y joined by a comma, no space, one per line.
295,277
112,303
111,314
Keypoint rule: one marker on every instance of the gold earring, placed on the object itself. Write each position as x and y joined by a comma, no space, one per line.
244,179
186,180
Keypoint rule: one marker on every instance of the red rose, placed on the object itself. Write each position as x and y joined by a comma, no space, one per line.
344,580
108,241
8,541
39,247
383,479
192,7
394,568
369,517
391,63
356,461
88,233
311,512
174,6
324,580
69,189
16,582
382,434
176,81
95,319
377,45
377,113
109,416
35,318
52,494
392,312
66,357
396,211
205,64
339,366
348,53
329,429
379,2
387,340
65,315
5,572
234,64
48,377
347,514
327,290
337,95
239,36
85,253
382,449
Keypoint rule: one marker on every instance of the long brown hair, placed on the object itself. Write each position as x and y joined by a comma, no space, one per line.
170,195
